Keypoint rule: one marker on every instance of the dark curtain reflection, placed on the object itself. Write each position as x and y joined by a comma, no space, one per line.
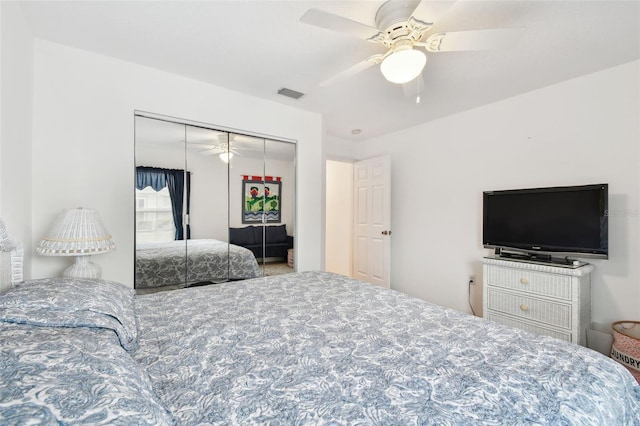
174,180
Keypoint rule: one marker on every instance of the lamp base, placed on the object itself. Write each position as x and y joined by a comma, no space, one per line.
83,268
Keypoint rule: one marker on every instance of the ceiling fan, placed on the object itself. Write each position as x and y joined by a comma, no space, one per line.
218,146
401,27
222,147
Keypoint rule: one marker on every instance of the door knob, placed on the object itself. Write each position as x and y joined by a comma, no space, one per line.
386,232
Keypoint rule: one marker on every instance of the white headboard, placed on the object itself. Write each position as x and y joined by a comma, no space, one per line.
11,265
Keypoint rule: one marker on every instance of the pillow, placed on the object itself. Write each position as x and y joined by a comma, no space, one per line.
241,236
66,376
73,302
276,234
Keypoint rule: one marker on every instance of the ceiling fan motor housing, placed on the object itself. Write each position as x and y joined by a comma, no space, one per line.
393,12
393,18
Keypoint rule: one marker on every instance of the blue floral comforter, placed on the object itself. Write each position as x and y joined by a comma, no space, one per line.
163,264
63,359
305,348
318,348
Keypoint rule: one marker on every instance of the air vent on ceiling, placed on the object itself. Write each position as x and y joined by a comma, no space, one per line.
290,93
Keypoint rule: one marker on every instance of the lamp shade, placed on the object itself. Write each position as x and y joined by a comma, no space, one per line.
76,232
403,66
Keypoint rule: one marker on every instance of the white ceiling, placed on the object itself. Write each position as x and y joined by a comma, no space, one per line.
258,47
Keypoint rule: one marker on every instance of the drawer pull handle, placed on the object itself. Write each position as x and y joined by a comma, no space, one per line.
523,280
524,308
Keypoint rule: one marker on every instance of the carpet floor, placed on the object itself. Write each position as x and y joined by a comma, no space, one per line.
278,268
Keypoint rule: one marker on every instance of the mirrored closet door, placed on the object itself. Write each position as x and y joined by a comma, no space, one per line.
262,196
181,205
211,206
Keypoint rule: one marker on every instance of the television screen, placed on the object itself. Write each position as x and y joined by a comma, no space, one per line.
570,220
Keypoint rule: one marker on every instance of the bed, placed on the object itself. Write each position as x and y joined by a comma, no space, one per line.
208,260
300,348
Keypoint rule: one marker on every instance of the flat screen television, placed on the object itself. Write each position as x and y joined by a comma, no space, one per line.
559,221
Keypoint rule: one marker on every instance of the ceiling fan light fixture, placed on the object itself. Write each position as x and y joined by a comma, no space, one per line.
226,156
403,65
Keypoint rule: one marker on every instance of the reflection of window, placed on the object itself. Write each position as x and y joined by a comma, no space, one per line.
154,220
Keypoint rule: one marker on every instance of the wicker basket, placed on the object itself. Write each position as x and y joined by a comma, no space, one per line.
626,345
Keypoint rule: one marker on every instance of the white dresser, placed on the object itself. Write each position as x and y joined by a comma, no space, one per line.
540,298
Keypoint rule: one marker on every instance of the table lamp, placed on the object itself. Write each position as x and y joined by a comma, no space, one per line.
16,256
80,233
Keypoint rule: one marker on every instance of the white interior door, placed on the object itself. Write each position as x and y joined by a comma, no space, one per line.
372,220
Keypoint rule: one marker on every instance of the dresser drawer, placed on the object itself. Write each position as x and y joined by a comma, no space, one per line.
543,299
551,285
526,326
544,311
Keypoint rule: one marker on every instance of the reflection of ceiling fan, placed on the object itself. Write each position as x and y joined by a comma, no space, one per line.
401,26
222,147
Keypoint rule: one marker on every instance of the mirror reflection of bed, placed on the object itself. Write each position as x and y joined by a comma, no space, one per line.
189,194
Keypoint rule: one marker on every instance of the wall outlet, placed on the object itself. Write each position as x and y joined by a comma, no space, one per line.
472,279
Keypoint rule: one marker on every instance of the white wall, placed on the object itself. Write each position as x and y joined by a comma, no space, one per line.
208,210
341,150
83,144
16,89
336,148
339,217
586,130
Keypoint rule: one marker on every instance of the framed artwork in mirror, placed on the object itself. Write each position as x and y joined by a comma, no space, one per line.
261,198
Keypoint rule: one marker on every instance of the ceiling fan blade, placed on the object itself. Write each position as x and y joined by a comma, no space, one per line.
473,40
355,69
327,20
218,152
414,88
427,13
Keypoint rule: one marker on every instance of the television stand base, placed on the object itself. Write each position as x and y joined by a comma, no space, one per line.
543,299
541,259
